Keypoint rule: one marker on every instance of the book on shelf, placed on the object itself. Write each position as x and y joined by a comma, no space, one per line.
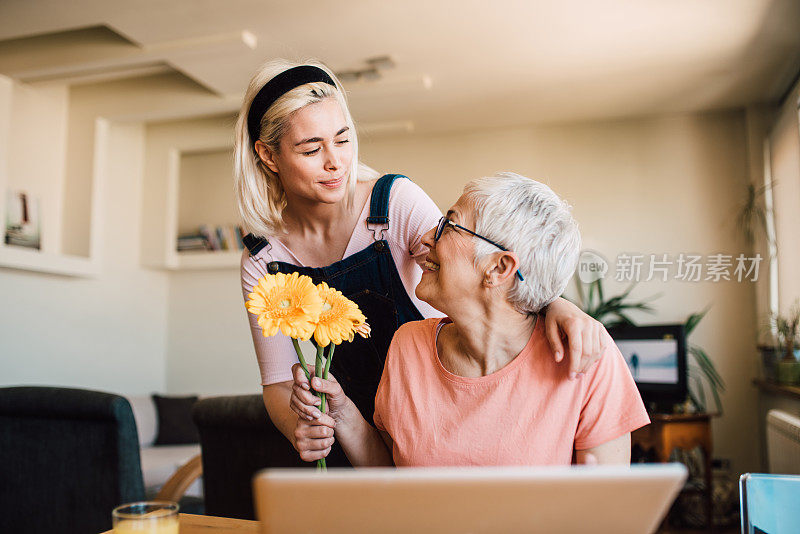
192,242
211,237
240,237
216,238
22,220
223,240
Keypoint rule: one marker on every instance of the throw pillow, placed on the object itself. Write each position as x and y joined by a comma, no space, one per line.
175,425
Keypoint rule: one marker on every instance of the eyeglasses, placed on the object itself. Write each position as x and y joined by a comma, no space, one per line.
444,221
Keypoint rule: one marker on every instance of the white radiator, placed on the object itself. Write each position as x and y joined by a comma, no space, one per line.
783,443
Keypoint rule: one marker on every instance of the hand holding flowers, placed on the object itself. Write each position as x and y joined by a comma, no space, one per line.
314,431
292,304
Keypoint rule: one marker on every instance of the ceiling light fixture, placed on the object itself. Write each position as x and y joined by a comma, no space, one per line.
371,73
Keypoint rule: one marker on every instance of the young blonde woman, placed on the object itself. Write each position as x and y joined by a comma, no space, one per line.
311,207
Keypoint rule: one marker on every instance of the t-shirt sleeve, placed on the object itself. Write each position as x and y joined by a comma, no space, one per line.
612,405
275,354
415,214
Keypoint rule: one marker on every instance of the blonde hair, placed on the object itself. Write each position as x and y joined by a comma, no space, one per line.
260,197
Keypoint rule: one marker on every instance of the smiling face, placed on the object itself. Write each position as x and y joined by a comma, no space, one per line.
315,153
450,278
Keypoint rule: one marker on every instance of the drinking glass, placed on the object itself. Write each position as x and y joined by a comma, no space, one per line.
147,517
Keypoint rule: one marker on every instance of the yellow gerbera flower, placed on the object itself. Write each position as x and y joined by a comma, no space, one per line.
363,330
340,317
288,302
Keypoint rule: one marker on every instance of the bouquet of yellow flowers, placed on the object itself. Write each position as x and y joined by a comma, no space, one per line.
293,305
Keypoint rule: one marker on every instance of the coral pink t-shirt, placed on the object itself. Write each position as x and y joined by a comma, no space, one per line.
527,413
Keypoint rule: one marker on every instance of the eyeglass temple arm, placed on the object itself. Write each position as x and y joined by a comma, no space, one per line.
498,245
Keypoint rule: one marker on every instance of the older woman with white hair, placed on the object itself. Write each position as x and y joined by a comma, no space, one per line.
481,386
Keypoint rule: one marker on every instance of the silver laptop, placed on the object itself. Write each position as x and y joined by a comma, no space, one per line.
596,499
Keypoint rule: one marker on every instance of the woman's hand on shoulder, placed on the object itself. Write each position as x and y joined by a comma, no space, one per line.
586,337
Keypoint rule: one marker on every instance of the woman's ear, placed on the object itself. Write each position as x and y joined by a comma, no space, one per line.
503,266
266,155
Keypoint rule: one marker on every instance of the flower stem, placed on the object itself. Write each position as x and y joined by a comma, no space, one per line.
318,364
328,359
318,369
331,347
322,464
300,357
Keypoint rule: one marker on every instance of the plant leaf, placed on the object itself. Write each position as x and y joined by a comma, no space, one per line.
693,319
706,365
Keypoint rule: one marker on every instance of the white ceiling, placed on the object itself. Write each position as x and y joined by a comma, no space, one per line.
489,63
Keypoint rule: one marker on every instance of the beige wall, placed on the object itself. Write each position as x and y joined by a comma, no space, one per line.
206,190
785,155
655,185
208,344
209,349
166,139
107,332
37,144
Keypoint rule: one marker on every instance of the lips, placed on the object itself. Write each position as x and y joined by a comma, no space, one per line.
336,182
430,265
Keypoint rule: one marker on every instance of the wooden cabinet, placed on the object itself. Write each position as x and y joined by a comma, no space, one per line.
668,432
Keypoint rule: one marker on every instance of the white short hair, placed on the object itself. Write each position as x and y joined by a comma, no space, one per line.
259,195
528,218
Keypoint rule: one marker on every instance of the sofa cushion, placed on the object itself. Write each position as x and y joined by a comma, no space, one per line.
175,424
159,463
144,412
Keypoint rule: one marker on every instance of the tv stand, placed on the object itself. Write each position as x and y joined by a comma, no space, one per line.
668,432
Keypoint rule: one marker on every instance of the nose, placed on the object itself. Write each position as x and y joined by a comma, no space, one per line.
334,161
427,238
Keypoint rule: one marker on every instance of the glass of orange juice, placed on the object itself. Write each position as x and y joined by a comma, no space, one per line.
147,517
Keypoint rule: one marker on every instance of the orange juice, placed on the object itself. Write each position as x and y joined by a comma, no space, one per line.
165,525
148,517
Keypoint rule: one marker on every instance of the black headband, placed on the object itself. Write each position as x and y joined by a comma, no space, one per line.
278,86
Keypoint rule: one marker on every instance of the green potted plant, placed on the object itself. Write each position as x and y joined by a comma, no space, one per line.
612,311
787,328
615,310
754,218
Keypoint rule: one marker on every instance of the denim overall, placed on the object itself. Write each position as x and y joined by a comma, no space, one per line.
370,279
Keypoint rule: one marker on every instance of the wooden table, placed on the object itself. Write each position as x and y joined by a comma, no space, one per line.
668,432
206,524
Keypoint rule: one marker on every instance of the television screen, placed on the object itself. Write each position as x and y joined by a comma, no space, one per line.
656,357
651,360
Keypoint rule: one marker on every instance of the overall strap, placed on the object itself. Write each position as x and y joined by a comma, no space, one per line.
254,244
379,203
